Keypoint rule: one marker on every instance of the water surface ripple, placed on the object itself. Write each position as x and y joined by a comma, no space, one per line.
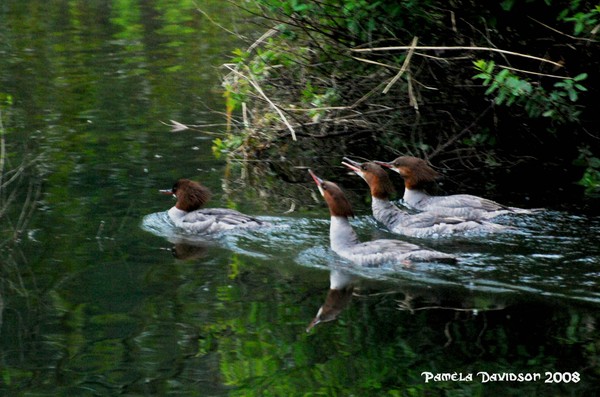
549,253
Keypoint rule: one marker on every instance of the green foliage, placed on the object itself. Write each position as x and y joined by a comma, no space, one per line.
317,69
485,138
582,15
6,99
509,89
318,100
353,21
584,20
570,87
591,176
223,146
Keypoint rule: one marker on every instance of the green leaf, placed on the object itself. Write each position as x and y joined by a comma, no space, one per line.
479,64
507,5
501,97
492,88
563,14
504,73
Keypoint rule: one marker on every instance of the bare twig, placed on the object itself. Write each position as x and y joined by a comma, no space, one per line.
318,109
412,99
553,76
217,24
245,115
376,63
459,48
262,38
564,34
456,137
404,66
176,126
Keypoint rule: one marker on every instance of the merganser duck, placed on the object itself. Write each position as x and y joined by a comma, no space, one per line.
423,224
345,242
188,215
417,174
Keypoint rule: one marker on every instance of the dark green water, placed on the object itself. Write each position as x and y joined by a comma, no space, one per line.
99,297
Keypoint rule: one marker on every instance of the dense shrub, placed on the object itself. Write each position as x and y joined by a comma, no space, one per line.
509,87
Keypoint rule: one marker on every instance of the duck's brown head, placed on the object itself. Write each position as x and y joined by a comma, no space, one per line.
190,194
378,180
415,172
334,197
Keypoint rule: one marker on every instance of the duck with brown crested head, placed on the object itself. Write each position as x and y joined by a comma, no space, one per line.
188,214
345,242
424,224
417,175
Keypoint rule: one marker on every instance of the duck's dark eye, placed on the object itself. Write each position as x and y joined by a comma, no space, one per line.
364,167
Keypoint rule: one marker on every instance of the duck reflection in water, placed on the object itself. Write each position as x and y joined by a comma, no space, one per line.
341,288
187,251
413,298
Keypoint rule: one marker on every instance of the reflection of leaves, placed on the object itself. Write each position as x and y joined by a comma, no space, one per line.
259,355
12,375
174,68
234,266
74,318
